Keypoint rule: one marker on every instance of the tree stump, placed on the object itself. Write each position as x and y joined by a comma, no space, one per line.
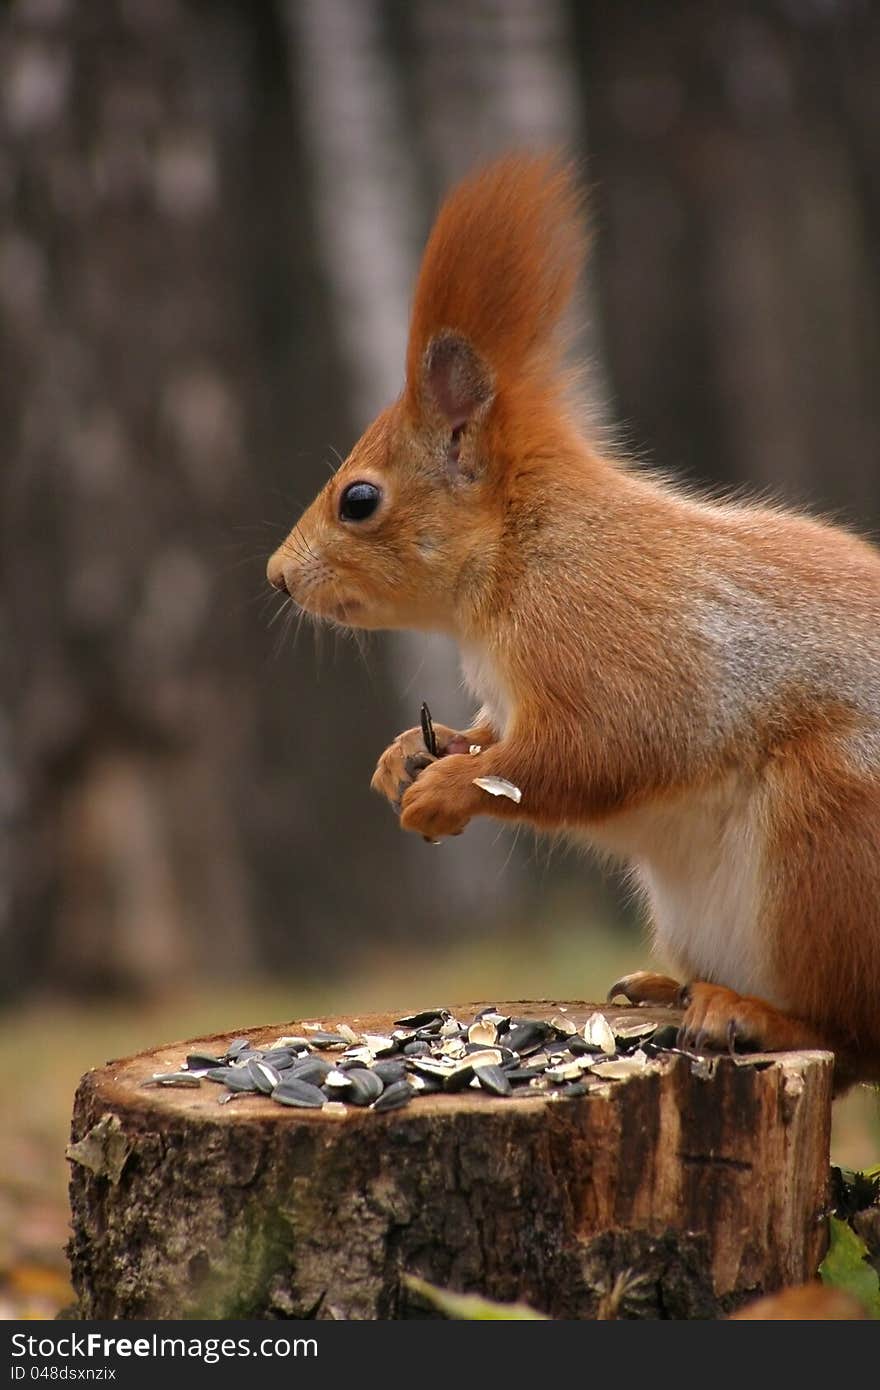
679,1192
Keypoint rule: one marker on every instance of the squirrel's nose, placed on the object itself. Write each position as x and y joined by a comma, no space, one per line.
275,572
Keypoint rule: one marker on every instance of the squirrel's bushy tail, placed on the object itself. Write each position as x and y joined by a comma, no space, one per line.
500,267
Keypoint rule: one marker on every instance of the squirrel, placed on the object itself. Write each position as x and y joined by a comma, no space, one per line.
687,684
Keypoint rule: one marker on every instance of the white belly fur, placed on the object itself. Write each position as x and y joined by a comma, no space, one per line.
483,680
697,861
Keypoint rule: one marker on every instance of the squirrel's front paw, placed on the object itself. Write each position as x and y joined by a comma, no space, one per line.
407,757
400,765
437,804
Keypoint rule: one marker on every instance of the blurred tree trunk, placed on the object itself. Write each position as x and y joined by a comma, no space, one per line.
165,360
735,150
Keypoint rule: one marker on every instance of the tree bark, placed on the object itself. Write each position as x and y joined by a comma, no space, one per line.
678,1193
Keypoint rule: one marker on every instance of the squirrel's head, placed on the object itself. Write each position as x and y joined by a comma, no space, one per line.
392,537
410,529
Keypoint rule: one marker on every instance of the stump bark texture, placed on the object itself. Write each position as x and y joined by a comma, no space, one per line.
679,1192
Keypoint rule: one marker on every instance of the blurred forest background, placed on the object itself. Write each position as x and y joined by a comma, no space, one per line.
211,212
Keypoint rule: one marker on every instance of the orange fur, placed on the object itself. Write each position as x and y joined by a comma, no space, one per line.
690,685
499,268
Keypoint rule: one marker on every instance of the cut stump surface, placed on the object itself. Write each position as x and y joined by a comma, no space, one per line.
677,1192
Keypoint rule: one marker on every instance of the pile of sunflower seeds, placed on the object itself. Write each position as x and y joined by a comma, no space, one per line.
430,1052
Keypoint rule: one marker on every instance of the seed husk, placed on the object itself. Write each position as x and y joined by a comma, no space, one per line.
665,1037
422,1019
568,1071
526,1035
619,1068
459,1077
599,1035
236,1047
201,1061
630,1032
484,1032
172,1079
494,1079
330,1041
515,1075
292,1091
576,1088
498,786
379,1045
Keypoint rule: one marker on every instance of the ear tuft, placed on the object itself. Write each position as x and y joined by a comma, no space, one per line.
457,383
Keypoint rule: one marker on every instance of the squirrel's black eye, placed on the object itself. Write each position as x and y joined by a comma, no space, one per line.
358,501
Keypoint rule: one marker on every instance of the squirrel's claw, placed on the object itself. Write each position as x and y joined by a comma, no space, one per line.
644,987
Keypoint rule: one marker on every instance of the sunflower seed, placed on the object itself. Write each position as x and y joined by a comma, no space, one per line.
310,1069
337,1080
427,1085
364,1087
299,1093
236,1078
390,1070
264,1076
279,1057
201,1061
398,1094
237,1046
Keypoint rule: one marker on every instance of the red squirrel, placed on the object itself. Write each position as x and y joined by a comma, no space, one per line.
687,684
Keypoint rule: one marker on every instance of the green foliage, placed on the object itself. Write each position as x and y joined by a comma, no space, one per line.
846,1267
471,1307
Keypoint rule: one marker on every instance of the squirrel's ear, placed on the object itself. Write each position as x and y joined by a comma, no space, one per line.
456,382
